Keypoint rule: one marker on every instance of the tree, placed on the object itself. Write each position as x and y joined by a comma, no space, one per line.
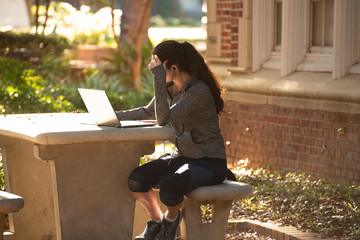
37,2
135,22
134,27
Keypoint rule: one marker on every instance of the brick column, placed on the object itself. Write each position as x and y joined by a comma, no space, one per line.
227,13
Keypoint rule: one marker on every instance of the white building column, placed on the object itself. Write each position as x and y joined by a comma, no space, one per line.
213,40
346,48
293,40
262,30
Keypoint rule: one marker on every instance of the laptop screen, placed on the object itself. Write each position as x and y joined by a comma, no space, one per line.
99,107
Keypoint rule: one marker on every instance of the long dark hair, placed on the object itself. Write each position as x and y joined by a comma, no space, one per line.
188,59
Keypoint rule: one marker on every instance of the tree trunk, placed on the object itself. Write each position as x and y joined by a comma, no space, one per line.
131,20
46,16
135,23
28,4
37,16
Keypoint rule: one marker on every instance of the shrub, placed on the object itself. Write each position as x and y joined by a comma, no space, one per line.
22,90
49,87
159,21
31,47
121,94
49,44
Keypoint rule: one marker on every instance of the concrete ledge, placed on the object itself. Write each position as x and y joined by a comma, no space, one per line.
217,60
300,89
219,66
10,202
251,98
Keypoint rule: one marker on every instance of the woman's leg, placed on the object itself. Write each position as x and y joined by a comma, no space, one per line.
172,212
149,202
143,179
189,176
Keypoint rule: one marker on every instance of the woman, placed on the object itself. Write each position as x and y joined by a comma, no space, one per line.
188,98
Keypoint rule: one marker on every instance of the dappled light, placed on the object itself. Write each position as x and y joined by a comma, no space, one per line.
67,21
298,200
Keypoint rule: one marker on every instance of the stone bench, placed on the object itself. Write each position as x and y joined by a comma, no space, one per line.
221,197
8,203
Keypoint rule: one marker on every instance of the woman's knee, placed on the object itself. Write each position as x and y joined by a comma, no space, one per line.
172,190
137,183
170,200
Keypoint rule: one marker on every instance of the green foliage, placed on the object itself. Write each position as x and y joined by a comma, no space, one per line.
93,38
159,21
331,209
54,69
48,45
121,94
119,65
166,8
23,90
116,82
50,86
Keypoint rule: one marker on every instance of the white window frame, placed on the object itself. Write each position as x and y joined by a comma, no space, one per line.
262,33
356,67
323,48
346,42
295,38
270,58
276,46
275,54
317,58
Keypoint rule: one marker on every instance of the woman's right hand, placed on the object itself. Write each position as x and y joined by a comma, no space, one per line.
155,61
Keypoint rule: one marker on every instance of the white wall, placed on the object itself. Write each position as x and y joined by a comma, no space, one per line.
14,13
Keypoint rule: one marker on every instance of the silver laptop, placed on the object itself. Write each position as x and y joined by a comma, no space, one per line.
100,109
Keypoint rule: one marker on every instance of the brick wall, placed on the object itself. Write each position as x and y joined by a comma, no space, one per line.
323,144
228,13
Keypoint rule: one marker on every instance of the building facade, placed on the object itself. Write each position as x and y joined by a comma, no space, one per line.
291,73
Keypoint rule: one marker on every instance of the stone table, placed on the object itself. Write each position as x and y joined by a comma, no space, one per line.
72,175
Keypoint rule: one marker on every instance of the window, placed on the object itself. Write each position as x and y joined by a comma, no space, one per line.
275,21
321,25
307,35
277,25
320,20
356,67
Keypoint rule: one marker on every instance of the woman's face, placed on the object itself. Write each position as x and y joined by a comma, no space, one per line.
169,75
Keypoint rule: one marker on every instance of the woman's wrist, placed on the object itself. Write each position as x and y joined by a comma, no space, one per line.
159,73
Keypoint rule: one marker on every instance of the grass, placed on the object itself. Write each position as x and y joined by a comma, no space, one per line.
159,21
331,209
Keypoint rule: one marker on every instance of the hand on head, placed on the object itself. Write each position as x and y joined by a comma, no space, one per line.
155,61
